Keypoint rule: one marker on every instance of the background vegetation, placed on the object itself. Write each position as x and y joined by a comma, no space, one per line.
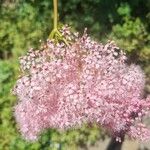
24,22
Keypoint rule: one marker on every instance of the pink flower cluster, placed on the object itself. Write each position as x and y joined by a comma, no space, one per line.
63,87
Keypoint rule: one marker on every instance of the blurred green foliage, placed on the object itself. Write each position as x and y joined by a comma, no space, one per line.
24,22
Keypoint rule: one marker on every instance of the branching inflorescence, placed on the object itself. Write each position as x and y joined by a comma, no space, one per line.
64,86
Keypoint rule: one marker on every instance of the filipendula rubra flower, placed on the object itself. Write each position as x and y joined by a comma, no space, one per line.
64,86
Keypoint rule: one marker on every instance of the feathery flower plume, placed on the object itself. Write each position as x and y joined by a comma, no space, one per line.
64,86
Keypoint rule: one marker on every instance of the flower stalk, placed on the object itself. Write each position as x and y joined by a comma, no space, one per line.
55,34
55,3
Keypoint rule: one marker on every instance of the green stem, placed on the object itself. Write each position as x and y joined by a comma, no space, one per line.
55,34
55,3
55,20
